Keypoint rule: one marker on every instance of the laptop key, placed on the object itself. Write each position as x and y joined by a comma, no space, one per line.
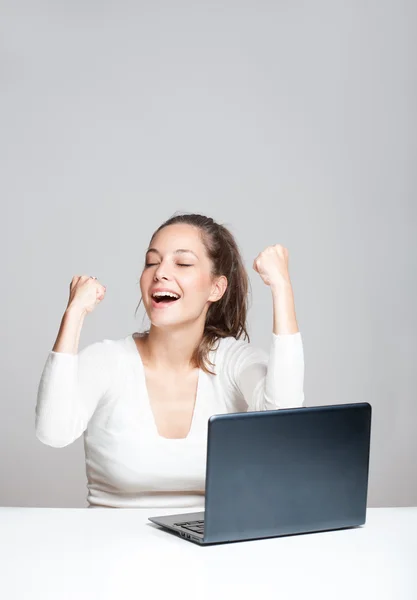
193,529
191,523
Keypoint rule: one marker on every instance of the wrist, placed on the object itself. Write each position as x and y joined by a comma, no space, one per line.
75,311
281,287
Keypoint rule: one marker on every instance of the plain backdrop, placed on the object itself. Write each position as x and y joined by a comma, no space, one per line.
289,122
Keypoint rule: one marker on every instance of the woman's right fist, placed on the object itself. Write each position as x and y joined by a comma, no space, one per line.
86,293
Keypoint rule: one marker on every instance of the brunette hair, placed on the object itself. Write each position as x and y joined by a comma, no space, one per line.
227,316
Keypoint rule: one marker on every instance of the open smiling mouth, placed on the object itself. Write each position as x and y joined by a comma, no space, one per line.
164,299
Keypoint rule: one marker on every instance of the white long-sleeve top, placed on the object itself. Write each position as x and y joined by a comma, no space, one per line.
101,392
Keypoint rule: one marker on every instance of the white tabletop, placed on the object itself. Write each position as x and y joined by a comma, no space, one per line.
61,553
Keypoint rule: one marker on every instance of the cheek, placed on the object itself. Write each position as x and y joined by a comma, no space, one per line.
192,281
197,286
143,282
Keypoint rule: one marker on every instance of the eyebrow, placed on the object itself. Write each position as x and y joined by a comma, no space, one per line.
179,251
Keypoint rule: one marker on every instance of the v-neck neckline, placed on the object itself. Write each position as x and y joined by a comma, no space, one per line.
148,406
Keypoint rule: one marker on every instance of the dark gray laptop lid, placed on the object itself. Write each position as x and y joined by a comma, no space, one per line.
287,471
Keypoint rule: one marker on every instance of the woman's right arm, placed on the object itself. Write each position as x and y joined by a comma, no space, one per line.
72,382
68,338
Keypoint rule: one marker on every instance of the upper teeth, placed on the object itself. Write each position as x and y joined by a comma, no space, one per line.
166,294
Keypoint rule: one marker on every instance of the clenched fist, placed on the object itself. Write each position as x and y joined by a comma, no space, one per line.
85,293
272,265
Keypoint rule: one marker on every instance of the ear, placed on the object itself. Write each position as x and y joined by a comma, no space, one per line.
218,289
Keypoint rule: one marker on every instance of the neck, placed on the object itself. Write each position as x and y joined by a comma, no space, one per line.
170,349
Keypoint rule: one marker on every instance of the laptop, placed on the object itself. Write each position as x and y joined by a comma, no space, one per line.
281,472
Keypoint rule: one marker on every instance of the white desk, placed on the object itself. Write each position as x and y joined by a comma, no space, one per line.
77,554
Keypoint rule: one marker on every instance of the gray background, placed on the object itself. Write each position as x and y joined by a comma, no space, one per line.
291,122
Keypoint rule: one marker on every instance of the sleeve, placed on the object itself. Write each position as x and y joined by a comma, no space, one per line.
70,388
267,382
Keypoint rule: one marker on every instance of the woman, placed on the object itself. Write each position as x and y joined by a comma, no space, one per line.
143,401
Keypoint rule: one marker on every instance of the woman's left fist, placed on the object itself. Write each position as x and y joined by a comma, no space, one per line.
272,265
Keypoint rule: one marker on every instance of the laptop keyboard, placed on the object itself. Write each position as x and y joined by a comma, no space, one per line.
194,526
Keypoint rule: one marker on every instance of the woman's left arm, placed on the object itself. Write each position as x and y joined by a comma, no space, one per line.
283,386
261,381
272,266
274,381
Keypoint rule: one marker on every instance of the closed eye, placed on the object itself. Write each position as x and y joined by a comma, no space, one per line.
179,264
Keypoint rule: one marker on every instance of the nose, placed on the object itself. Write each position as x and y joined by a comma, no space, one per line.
161,272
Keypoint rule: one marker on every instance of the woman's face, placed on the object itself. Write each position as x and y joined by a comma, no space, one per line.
176,260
